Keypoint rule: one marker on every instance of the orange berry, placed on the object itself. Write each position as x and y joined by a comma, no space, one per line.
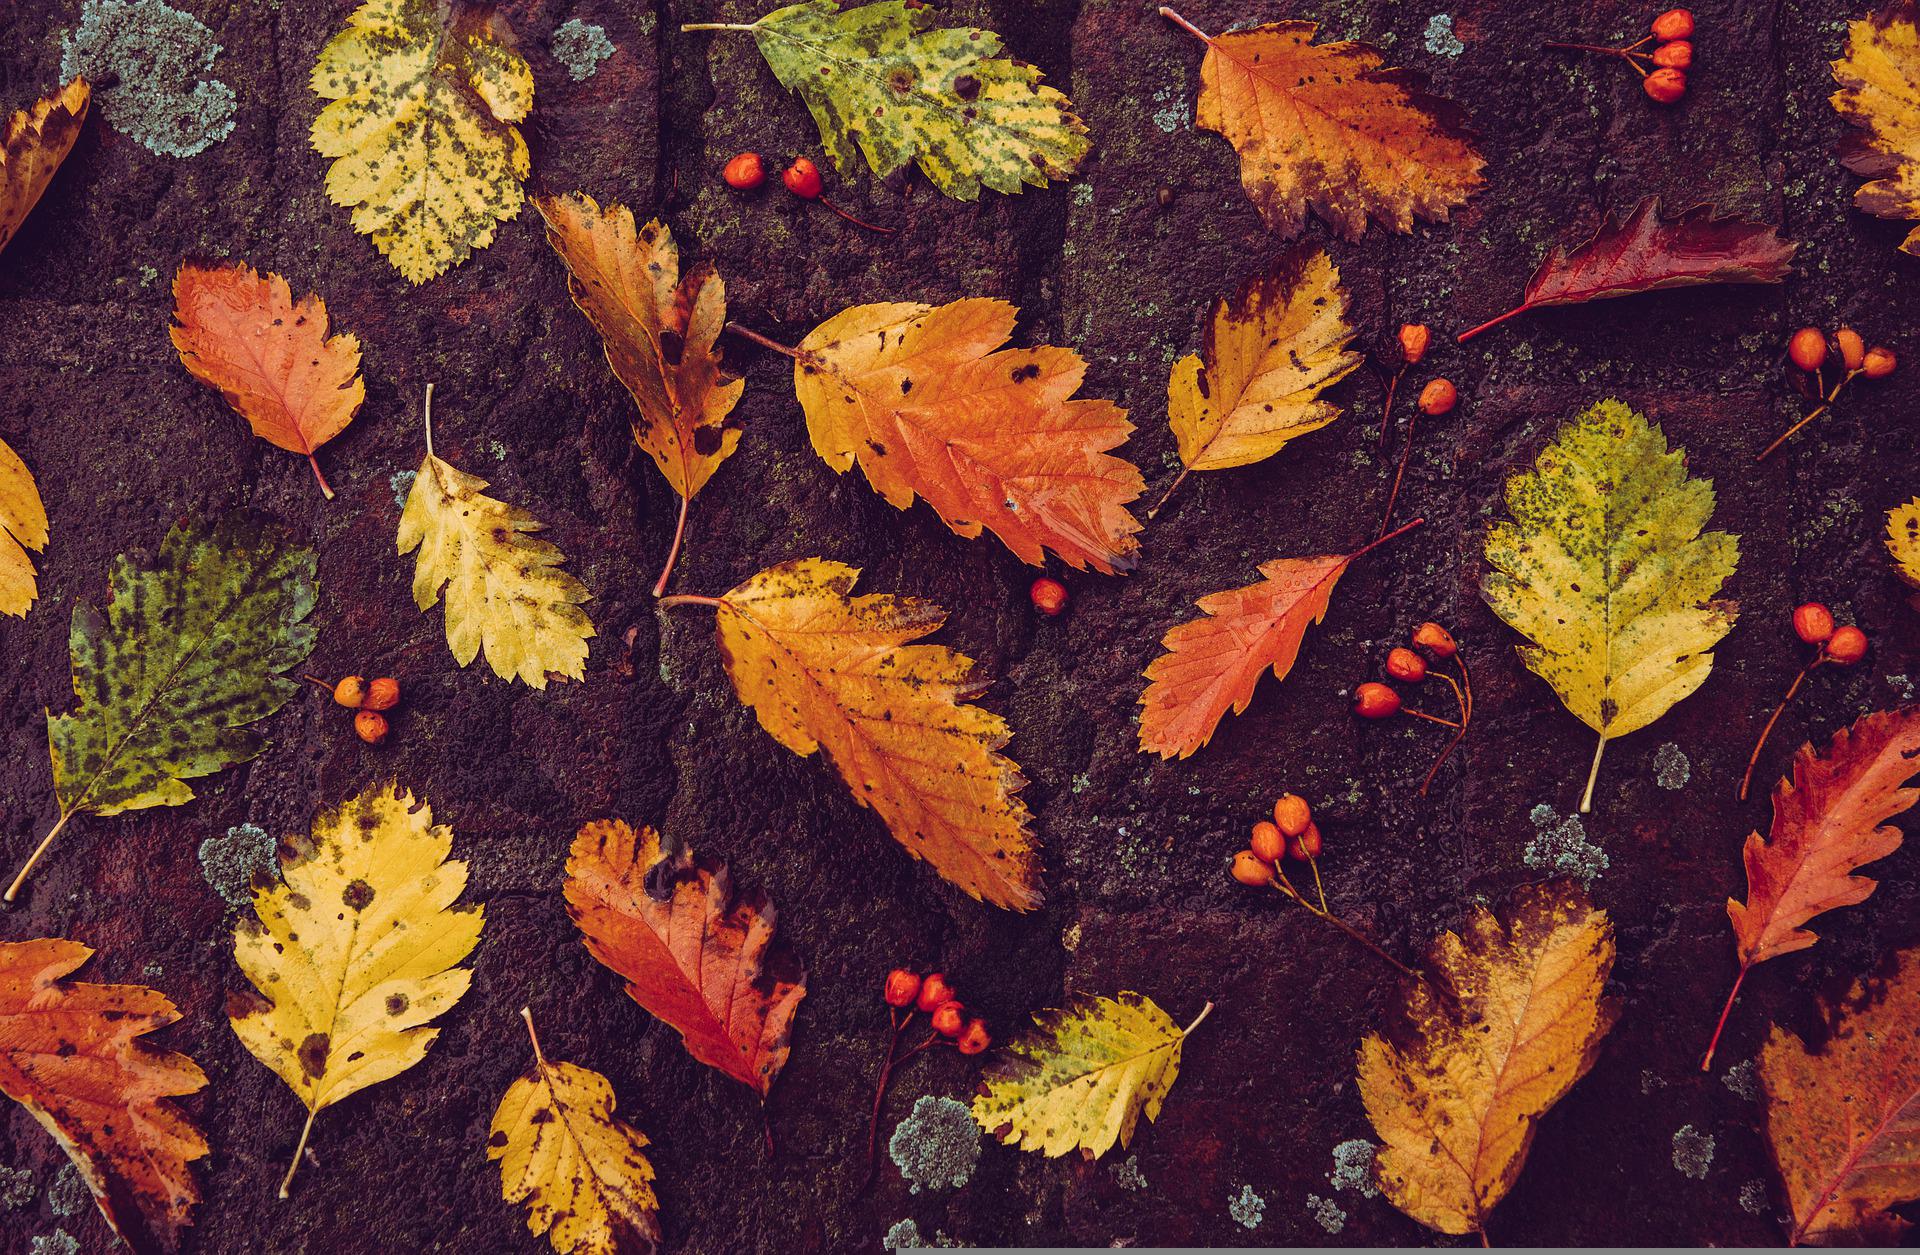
1666,85
383,694
1310,841
1677,55
934,990
975,1039
350,692
1438,397
1267,843
1847,645
802,179
1414,338
1808,348
1049,596
1673,24
1853,350
1375,701
1292,814
1813,623
371,726
1404,664
949,1018
902,987
1435,639
745,172
1249,870
1878,363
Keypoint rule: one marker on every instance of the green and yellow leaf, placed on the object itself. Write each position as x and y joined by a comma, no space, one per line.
1903,541
23,526
1084,1076
354,951
1606,570
424,96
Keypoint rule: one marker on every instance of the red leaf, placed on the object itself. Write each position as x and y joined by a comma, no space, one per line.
1648,252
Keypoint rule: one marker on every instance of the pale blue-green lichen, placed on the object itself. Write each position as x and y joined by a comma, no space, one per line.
1127,1175
903,1236
16,1187
59,1242
1740,1079
937,1145
402,484
146,60
1560,847
1753,1197
581,47
1248,1209
228,863
1329,1213
1441,41
1353,1167
1692,1152
1671,770
68,1195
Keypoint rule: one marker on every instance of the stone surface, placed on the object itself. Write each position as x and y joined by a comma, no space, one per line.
124,441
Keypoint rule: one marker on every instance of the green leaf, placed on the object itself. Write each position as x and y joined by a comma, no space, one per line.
191,652
879,81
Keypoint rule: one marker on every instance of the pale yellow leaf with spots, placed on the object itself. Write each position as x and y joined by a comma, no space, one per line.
1879,92
23,526
1903,540
424,96
352,952
576,1166
1084,1076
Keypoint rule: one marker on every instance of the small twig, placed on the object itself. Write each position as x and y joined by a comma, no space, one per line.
1706,1064
748,333
1285,886
1386,411
1463,696
1421,714
689,599
1826,404
316,680
1177,481
1767,731
1413,423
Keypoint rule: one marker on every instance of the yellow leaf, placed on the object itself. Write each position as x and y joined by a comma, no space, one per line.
1084,1076
23,526
424,98
576,1166
32,145
506,593
1510,1015
1879,92
354,952
1604,568
1264,360
823,669
1903,541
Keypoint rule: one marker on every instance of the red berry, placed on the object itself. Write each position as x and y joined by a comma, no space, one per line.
1414,338
1813,623
902,987
975,1039
1878,363
1292,814
371,726
1249,870
745,172
1436,640
1049,596
1665,86
802,179
1375,701
949,1018
1309,842
1404,664
1808,348
934,990
1267,843
1847,645
383,694
1673,24
1677,55
350,692
1438,397
1853,350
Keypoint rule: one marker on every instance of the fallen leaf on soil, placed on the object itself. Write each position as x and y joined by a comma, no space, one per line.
271,358
32,146
577,1166
697,958
353,951
921,399
72,1054
1844,1121
1511,1014
1328,127
1084,1075
1605,569
1903,541
882,81
423,97
1648,252
1879,80
23,526
824,669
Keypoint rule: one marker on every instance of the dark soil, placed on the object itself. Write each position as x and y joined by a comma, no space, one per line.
1120,265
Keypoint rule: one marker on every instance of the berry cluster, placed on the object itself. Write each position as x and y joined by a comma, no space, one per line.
1843,646
367,700
907,992
1809,351
1672,36
1437,398
1375,700
746,172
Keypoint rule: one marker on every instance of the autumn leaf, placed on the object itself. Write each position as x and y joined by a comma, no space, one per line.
823,669
32,146
1084,1075
424,96
506,593
696,957
1511,1014
23,526
659,329
882,81
72,1053
1604,568
192,653
1829,819
1843,1122
271,358
576,1166
1879,80
1648,252
921,399
1264,359
1212,663
1903,541
1328,127
353,950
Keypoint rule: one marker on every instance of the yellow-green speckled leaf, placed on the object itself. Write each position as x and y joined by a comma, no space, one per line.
424,99
1084,1076
1605,569
882,81
1903,540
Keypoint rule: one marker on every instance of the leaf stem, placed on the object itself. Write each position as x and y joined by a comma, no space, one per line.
1185,25
1706,1063
1471,332
673,553
1177,481
326,489
1413,424
1204,1012
1767,731
747,333
426,417
26,868
1378,541
689,599
858,222
1593,773
286,1182
716,26
526,1013
316,680
1386,411
1825,405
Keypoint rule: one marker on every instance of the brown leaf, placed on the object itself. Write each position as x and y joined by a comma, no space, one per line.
36,140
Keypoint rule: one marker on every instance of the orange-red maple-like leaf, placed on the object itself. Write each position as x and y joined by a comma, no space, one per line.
697,959
71,1054
242,332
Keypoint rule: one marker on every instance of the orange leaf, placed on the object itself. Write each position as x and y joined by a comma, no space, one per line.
696,959
35,142
919,396
1844,1123
1212,663
1327,127
271,359
71,1054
